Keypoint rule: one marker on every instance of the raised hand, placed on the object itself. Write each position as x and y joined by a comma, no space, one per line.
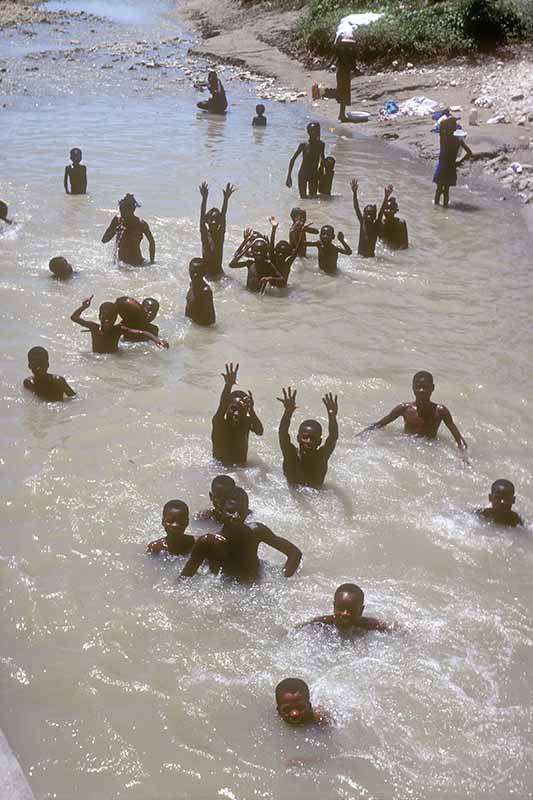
204,190
274,221
249,402
87,302
288,399
332,406
340,236
228,191
248,233
230,376
355,185
162,343
288,183
388,190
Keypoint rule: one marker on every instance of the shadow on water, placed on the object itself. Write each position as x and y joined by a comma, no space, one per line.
466,207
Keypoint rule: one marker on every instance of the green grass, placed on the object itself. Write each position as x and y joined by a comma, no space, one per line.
411,32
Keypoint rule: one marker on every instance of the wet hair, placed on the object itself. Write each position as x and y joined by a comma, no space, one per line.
292,686
351,588
108,308
240,496
37,354
225,481
313,424
313,126
129,200
502,483
325,228
298,212
422,374
260,108
239,395
176,505
59,266
75,150
3,209
196,264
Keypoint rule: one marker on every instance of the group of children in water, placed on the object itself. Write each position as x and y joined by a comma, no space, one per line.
233,548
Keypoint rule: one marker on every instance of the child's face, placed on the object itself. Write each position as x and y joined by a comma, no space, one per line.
107,319
346,610
309,440
260,250
75,156
217,495
151,307
38,365
175,521
370,213
283,249
327,234
234,509
423,387
294,708
502,499
213,218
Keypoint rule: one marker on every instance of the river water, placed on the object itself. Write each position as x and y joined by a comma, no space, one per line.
119,682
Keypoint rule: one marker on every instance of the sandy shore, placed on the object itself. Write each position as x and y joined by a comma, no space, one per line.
247,37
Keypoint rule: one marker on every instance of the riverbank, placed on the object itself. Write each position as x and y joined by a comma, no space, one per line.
497,89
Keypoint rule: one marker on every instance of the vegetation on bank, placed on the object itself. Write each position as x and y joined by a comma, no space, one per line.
416,32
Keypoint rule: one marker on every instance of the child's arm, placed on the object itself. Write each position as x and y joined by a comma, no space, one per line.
230,379
387,193
293,553
111,230
151,241
274,222
396,412
65,180
162,343
467,155
236,262
454,430
255,423
84,179
204,191
345,249
289,404
77,318
228,191
69,391
292,162
355,186
332,407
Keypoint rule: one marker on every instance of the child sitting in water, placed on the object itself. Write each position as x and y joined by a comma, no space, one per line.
347,617
105,335
326,175
47,387
446,172
217,103
328,253
297,232
199,306
309,464
4,212
175,522
502,499
393,231
369,220
260,120
75,174
293,703
60,268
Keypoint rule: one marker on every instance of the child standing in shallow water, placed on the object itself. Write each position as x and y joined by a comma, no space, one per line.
446,172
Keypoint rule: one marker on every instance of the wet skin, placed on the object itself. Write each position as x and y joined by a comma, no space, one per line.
348,617
312,153
199,304
232,423
213,231
501,508
176,542
369,223
295,709
129,231
106,335
51,388
328,253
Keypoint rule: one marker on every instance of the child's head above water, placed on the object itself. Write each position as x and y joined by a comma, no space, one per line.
502,496
75,155
309,436
260,249
260,110
298,215
59,267
423,385
348,605
221,486
293,701
283,249
313,129
127,205
151,306
391,208
175,517
370,212
236,504
107,314
329,164
327,234
38,360
197,269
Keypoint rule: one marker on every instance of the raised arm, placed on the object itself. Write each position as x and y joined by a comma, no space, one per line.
274,222
110,231
355,188
289,404
255,423
293,553
228,191
200,552
230,379
77,318
292,162
332,407
151,241
454,430
204,191
468,152
345,247
396,412
387,193
65,181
